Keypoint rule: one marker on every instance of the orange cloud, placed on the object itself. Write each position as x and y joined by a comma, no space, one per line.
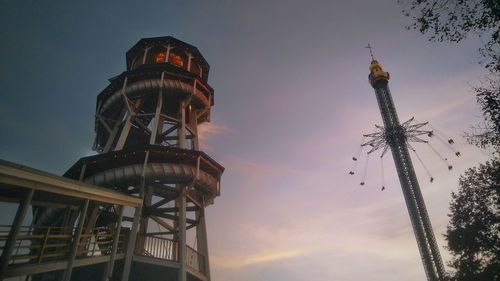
266,256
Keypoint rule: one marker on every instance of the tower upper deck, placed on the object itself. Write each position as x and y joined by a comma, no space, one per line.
165,79
168,50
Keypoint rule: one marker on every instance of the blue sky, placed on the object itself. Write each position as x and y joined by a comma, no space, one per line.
291,103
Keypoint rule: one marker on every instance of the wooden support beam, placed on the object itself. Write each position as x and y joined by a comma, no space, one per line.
201,236
108,272
161,202
116,128
20,270
39,203
125,130
131,245
194,200
175,218
135,226
182,236
103,122
21,176
172,209
169,130
76,242
129,219
22,210
163,223
158,125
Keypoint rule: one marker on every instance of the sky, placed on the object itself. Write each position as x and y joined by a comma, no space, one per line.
292,101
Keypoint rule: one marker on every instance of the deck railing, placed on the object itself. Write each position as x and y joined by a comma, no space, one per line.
156,247
195,260
38,244
167,249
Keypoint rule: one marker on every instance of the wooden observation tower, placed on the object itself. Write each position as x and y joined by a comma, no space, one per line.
146,125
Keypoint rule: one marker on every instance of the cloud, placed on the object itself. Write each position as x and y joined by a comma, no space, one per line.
207,130
257,169
446,108
261,257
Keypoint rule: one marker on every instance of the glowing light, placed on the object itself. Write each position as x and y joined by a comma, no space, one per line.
176,59
161,57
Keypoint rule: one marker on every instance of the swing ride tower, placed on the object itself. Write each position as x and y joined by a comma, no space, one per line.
395,136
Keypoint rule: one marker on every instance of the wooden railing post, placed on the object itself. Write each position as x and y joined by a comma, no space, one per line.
182,276
131,244
96,240
76,241
108,273
42,250
22,210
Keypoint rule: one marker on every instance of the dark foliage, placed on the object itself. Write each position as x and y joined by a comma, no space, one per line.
453,21
488,133
473,233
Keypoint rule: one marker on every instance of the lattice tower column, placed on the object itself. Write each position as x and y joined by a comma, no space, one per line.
396,138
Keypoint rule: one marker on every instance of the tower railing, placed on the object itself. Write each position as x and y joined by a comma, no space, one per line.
195,260
156,247
151,246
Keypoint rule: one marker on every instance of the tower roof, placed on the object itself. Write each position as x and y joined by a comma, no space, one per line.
377,73
166,40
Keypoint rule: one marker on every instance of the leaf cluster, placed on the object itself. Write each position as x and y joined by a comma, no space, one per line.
454,20
487,134
473,233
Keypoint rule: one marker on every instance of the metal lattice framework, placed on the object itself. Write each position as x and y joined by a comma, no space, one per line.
411,132
396,136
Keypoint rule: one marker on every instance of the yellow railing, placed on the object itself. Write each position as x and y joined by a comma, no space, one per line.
38,244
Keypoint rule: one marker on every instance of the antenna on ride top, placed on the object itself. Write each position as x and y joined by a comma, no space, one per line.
371,51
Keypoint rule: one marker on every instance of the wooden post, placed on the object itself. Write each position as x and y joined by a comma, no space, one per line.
158,126
190,57
182,235
131,244
145,55
108,272
193,125
135,225
82,172
76,241
22,210
201,234
128,121
42,250
181,132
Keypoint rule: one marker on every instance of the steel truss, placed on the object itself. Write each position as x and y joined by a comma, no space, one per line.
396,136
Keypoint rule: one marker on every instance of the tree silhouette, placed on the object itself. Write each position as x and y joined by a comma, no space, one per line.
487,134
453,21
473,233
